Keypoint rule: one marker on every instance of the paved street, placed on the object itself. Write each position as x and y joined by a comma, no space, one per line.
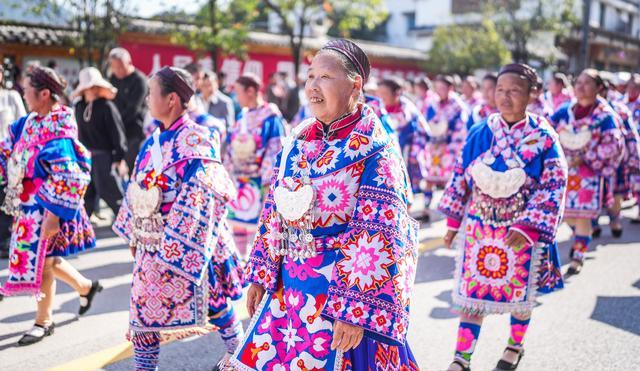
593,324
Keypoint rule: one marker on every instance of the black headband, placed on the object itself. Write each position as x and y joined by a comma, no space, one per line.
46,78
522,70
354,54
176,83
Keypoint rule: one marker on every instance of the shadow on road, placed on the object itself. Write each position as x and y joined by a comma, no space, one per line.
619,312
16,334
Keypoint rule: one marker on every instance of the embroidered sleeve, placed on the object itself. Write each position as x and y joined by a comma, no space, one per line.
545,205
64,167
263,267
604,155
456,193
191,230
273,131
375,266
632,140
6,146
417,158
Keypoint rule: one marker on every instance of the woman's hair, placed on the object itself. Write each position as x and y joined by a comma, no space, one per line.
249,80
491,77
561,79
348,66
169,85
394,84
41,78
595,76
424,82
446,79
471,80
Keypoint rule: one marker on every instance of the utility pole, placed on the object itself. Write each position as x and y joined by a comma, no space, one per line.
584,46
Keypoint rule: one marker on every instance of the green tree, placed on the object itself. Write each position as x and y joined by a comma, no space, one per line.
220,28
99,22
518,24
298,16
463,49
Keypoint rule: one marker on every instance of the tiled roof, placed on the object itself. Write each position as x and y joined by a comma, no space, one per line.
36,35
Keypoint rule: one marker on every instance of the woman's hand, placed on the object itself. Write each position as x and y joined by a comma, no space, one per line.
346,336
254,297
515,239
577,161
121,168
448,238
132,249
50,225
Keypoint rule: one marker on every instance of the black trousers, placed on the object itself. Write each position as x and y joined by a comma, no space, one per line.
104,184
133,147
6,222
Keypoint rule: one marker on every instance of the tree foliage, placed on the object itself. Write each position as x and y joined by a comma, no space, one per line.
463,49
297,17
518,22
220,28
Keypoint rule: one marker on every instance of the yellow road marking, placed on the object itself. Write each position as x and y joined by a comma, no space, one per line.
431,244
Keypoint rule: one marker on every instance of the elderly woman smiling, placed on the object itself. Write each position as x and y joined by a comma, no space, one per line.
333,265
506,199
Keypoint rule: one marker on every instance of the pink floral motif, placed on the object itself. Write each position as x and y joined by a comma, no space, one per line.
517,333
357,313
19,262
381,320
368,210
192,262
366,259
465,339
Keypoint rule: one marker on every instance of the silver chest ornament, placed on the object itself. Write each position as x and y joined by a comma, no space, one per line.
148,226
294,199
574,140
15,176
439,128
243,145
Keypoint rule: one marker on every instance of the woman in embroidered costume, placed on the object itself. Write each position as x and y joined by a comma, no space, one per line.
537,105
593,143
334,261
252,145
560,92
412,132
619,187
504,204
488,105
424,94
173,218
447,117
469,92
46,172
632,100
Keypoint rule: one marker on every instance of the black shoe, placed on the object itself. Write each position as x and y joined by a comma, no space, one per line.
635,220
463,367
1,297
36,334
4,254
506,366
616,233
85,301
596,232
425,217
575,270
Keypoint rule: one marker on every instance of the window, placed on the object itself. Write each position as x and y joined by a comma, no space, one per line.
411,20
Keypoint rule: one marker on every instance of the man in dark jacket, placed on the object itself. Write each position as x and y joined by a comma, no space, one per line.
130,100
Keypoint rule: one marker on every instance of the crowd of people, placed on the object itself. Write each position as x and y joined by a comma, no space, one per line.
305,197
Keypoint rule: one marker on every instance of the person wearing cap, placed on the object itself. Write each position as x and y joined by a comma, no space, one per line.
410,131
487,106
593,143
130,99
173,218
252,145
503,207
338,199
619,187
560,92
447,116
11,109
537,104
45,171
101,130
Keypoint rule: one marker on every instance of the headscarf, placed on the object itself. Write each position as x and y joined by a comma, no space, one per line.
46,78
523,70
354,54
184,90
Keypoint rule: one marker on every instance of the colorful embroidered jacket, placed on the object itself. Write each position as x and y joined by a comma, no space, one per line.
412,132
634,107
169,289
252,171
540,107
630,165
557,101
603,146
480,113
56,177
448,132
535,211
360,214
